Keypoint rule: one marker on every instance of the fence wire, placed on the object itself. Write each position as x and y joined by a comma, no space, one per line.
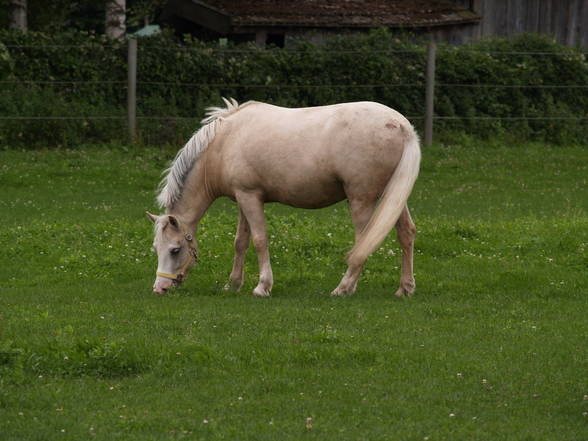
298,86
220,50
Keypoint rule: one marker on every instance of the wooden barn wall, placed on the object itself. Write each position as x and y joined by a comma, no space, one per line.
566,20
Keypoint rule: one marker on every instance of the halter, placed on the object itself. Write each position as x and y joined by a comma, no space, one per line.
191,260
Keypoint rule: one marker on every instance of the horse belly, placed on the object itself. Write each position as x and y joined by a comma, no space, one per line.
309,192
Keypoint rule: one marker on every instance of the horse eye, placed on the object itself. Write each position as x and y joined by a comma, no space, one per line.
175,251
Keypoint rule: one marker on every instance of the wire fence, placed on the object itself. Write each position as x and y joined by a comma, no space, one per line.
427,86
299,86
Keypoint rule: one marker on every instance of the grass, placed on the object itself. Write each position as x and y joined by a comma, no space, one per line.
492,346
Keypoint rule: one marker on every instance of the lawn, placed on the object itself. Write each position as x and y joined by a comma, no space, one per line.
493,345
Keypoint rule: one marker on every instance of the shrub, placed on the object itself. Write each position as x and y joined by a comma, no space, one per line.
80,74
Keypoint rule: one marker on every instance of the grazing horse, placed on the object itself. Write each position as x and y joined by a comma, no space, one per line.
311,157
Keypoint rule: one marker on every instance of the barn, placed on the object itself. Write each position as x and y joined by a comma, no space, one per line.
281,22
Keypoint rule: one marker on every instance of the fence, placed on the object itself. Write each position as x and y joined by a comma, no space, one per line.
428,118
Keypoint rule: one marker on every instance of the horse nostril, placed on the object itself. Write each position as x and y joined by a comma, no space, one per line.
159,290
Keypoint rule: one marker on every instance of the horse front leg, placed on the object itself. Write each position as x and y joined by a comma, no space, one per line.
242,238
252,208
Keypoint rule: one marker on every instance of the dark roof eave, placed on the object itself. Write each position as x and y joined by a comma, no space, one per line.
423,24
451,19
224,22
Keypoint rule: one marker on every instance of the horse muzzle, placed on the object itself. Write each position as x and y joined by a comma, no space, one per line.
165,281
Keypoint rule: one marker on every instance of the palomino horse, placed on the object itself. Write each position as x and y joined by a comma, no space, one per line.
308,157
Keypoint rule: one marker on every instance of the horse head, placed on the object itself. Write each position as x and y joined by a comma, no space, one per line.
176,251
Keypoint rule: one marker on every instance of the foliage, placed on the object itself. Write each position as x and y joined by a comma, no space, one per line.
491,346
59,16
6,62
517,64
488,79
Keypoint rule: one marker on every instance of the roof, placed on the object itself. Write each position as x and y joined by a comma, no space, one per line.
334,13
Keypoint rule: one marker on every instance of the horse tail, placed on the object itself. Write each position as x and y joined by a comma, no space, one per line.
392,201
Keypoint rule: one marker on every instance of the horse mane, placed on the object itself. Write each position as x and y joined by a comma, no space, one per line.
175,176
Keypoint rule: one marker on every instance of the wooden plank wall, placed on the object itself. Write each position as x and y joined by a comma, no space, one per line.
566,20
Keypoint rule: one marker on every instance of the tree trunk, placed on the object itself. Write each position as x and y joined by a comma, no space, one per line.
115,18
18,19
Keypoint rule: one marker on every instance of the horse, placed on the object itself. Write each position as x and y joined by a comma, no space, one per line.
255,153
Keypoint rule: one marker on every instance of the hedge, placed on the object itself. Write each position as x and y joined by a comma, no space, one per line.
83,74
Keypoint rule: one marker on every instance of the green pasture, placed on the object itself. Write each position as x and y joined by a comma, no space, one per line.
493,345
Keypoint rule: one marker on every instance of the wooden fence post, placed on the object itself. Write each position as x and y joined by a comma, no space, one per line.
430,92
132,89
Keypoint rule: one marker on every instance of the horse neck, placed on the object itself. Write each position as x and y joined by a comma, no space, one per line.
193,202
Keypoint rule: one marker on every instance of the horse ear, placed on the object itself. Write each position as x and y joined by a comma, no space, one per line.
174,222
153,218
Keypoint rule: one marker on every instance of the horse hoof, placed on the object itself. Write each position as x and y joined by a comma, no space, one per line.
403,292
261,292
232,287
341,292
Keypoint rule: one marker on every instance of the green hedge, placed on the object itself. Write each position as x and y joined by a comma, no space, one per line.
377,66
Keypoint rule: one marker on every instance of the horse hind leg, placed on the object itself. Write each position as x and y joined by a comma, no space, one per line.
361,212
406,232
242,238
